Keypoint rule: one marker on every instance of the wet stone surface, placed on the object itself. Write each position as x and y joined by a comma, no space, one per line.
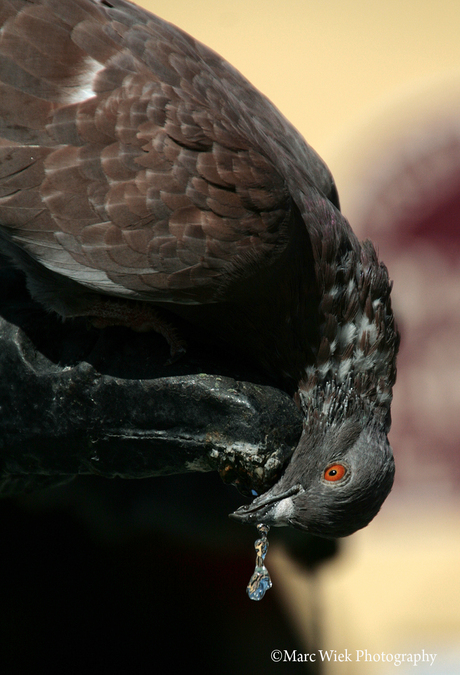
76,401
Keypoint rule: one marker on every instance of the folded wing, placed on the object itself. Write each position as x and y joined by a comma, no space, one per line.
134,160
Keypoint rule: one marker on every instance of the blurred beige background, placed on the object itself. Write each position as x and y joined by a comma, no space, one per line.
329,66
375,88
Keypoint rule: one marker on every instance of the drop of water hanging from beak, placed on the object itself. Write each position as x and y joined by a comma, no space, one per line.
260,581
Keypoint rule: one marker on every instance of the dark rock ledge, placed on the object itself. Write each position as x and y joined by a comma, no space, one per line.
79,401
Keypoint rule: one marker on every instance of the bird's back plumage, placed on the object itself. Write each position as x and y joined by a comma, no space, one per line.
134,159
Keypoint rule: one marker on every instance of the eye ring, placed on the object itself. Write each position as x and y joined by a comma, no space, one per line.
334,473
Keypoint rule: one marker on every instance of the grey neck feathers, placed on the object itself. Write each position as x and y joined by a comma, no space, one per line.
355,367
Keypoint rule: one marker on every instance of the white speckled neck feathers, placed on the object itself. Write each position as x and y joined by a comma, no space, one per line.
355,362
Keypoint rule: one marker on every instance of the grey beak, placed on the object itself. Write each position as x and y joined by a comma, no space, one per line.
262,509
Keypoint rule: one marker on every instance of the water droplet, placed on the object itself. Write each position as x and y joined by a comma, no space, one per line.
260,581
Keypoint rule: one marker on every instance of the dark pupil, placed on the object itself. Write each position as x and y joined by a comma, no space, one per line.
333,472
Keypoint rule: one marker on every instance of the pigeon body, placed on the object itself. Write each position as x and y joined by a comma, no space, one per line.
137,165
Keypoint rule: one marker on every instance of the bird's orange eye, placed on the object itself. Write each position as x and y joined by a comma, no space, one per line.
335,472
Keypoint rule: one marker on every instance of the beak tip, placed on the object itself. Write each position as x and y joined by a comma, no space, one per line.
264,508
240,514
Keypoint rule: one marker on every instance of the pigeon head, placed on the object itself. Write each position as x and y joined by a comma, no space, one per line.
335,482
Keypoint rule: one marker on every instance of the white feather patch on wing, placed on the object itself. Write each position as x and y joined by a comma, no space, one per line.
84,89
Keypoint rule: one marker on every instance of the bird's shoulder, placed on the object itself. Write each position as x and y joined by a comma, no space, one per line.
131,149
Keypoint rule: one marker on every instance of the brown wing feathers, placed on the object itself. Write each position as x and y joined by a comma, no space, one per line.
117,172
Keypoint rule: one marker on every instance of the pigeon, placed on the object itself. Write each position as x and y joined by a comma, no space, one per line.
140,171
